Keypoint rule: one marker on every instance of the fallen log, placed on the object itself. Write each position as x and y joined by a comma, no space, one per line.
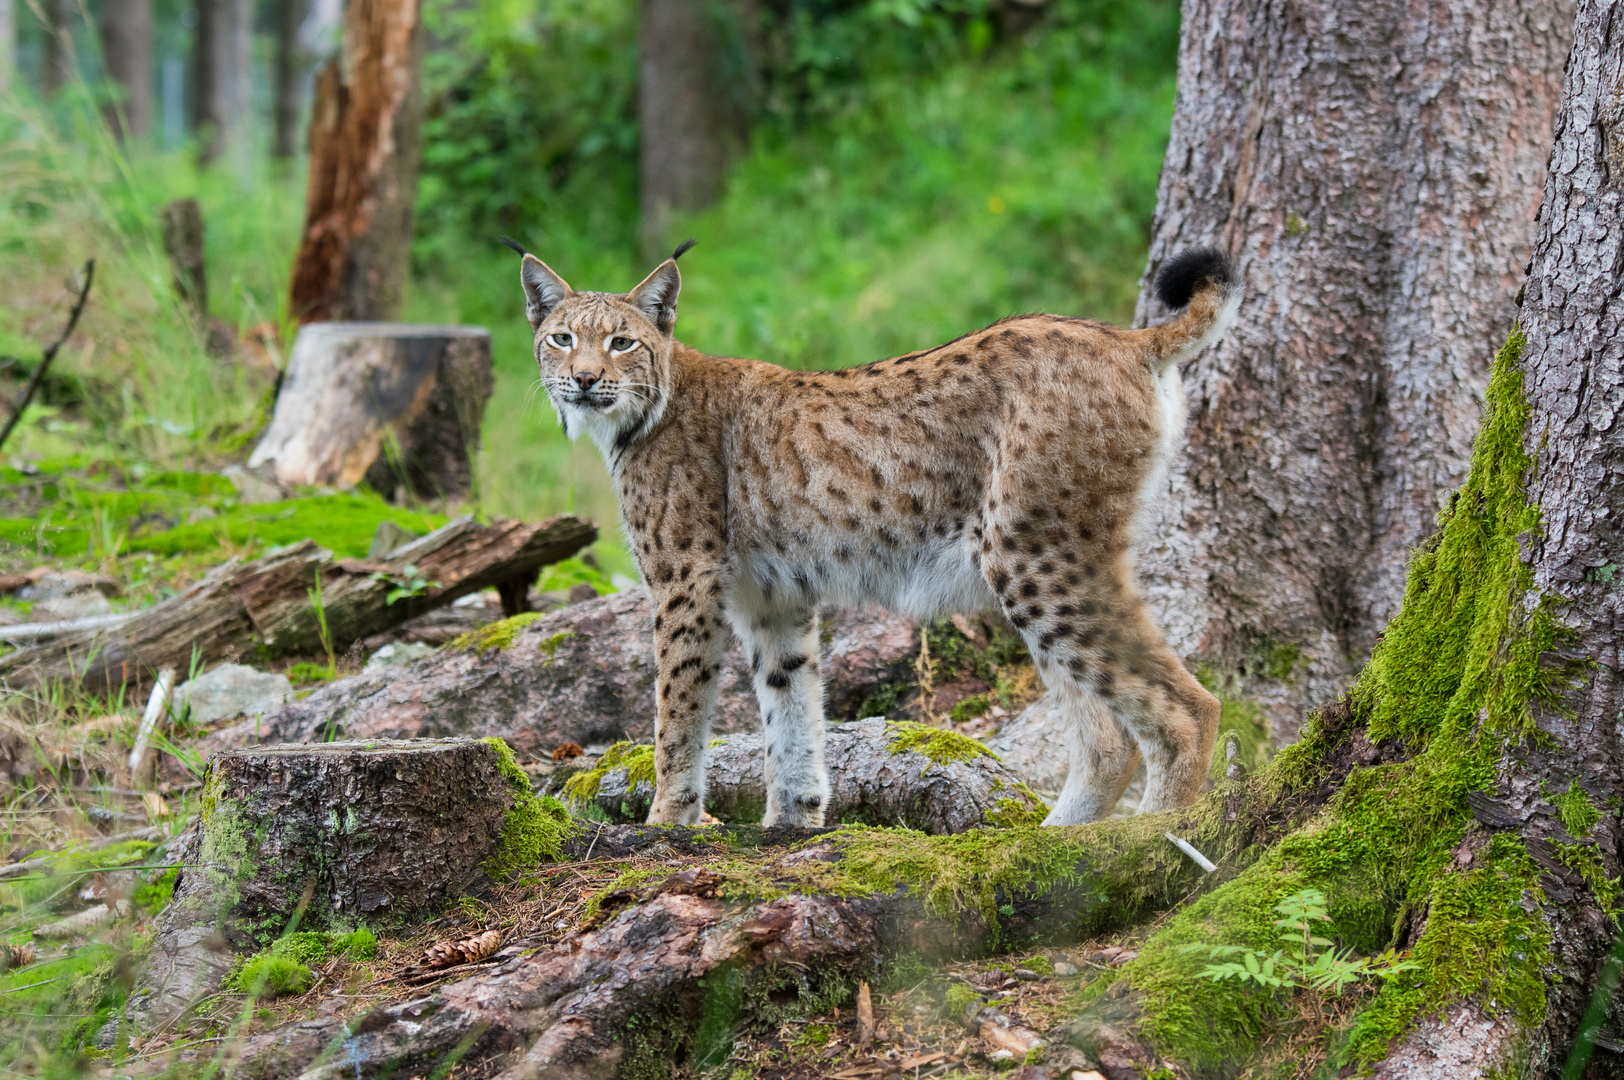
880,773
268,608
581,675
307,837
386,403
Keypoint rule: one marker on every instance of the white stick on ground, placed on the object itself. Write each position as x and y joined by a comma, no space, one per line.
1189,849
157,708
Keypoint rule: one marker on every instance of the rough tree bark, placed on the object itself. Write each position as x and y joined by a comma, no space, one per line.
267,607
1573,380
340,833
395,405
352,261
582,675
694,91
126,40
1374,169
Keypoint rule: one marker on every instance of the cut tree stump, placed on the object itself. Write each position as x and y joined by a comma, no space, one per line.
391,404
265,608
583,675
337,834
873,780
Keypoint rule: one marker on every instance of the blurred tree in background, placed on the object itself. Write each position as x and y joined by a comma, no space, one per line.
896,172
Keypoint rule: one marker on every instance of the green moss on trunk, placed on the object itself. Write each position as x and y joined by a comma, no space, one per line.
535,828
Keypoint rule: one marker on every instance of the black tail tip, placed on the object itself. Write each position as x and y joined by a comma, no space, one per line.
512,243
682,248
1184,273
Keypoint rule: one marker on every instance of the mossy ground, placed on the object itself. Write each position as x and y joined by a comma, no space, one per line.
497,635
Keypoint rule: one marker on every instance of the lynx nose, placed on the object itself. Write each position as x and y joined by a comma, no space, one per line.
585,380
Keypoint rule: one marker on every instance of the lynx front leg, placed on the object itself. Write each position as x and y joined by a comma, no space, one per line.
689,637
783,652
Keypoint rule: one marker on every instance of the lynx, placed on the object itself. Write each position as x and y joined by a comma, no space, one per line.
1003,470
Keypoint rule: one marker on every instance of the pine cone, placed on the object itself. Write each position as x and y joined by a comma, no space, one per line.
567,751
15,956
468,950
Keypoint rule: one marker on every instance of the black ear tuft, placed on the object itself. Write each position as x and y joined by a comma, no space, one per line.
683,247
1184,273
514,244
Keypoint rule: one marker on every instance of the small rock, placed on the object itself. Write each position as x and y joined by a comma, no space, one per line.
389,538
1001,1055
396,655
581,592
252,488
1064,970
231,690
48,584
1026,975
107,1035
79,605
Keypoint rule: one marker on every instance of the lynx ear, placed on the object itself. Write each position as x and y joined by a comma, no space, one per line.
543,289
656,297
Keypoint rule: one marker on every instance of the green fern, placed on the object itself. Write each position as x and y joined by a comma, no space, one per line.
1305,958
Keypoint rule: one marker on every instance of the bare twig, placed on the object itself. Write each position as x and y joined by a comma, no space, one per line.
38,377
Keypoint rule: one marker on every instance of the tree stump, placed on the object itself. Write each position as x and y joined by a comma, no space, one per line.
388,403
336,834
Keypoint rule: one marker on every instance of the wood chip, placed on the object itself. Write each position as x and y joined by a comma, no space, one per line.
922,1060
865,1017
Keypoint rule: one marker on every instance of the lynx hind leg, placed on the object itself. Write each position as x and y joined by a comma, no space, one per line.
1103,757
783,652
1088,634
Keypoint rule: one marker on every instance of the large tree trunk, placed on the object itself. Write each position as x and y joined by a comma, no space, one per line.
126,37
1374,170
287,77
1573,378
693,104
222,61
354,257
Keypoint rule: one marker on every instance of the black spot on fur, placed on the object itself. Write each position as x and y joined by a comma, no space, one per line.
1184,273
777,680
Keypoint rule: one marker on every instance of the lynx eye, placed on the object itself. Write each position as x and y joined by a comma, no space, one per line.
561,341
622,344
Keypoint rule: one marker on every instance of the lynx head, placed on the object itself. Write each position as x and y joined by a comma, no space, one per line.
605,358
